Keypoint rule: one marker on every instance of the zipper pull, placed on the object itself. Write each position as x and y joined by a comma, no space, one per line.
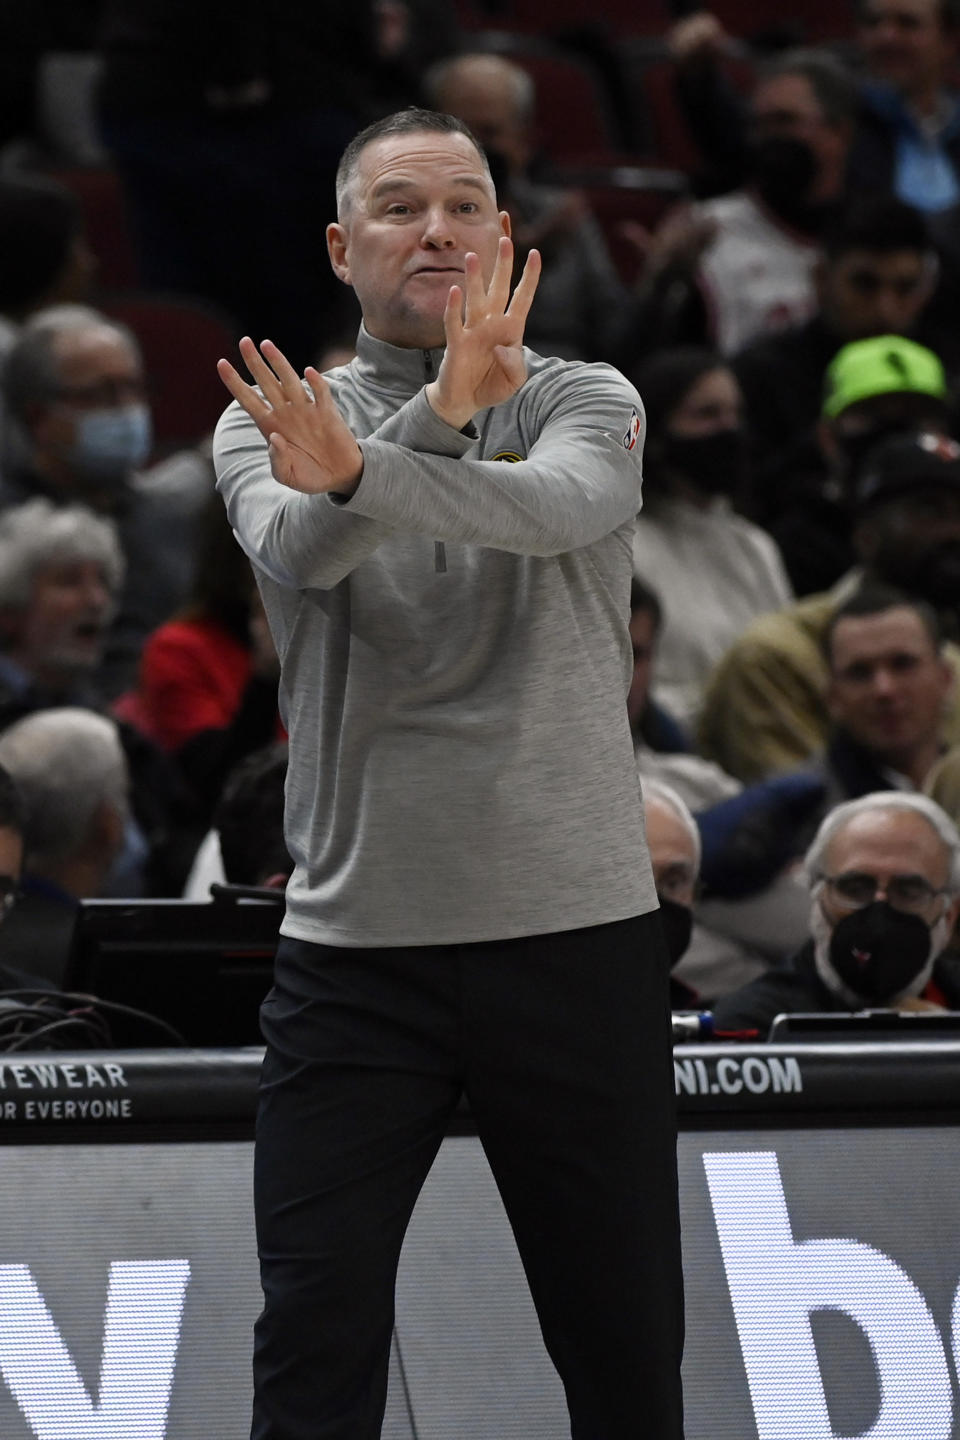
439,557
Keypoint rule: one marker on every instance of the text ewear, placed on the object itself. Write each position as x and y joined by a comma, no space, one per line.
455,657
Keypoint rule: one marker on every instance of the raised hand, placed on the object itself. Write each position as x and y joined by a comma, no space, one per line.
483,363
312,448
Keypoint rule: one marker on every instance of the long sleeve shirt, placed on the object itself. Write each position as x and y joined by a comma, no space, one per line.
455,658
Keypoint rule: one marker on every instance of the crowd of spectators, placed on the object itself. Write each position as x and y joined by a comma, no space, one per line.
790,323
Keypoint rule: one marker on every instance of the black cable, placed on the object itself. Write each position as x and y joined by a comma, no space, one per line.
48,1000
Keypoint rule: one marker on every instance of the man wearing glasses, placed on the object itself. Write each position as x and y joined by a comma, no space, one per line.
884,877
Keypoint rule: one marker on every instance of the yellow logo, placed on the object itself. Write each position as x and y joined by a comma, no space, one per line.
509,456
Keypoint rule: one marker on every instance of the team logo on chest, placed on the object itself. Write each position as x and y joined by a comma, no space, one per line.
510,457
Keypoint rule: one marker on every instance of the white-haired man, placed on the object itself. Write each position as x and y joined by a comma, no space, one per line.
884,876
61,570
71,774
674,844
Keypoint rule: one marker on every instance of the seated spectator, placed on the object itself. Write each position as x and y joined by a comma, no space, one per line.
713,571
246,844
578,310
70,771
740,266
674,844
765,710
651,726
886,696
875,275
872,389
74,384
906,139
207,691
884,878
61,573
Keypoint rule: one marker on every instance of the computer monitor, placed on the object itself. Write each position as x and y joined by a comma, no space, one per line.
202,968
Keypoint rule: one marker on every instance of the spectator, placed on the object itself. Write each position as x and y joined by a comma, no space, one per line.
74,384
71,773
674,843
207,691
249,821
60,576
713,570
886,697
875,275
578,311
907,135
884,386
884,878
741,266
765,710
61,571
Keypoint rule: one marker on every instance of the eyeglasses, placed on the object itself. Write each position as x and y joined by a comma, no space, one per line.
854,889
104,394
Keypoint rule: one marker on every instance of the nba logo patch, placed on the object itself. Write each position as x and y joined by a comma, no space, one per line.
633,432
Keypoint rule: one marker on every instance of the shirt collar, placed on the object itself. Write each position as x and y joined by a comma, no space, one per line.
394,368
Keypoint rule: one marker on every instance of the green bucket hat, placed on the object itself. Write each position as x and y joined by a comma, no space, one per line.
882,365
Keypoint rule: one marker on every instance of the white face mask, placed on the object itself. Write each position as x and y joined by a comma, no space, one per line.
112,442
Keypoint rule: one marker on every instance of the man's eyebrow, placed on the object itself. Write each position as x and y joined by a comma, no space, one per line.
391,186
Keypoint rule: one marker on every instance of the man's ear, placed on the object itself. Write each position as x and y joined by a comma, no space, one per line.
506,226
337,250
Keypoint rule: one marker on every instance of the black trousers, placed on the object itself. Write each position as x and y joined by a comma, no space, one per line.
562,1045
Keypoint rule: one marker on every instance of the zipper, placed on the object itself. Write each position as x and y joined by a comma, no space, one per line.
439,549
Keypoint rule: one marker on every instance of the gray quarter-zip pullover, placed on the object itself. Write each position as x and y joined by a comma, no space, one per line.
455,657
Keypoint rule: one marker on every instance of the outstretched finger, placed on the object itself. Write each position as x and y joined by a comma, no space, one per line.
519,307
288,377
244,394
473,290
499,292
453,315
261,372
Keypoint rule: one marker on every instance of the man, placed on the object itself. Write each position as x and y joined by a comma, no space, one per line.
872,389
875,275
884,877
742,265
580,302
445,565
907,138
887,693
765,710
71,773
674,843
75,387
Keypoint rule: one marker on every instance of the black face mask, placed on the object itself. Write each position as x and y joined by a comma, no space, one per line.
677,921
783,169
714,463
878,950
858,444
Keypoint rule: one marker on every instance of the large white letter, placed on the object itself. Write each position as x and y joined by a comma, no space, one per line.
775,1283
141,1334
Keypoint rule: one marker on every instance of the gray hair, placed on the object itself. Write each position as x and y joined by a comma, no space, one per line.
30,373
65,762
888,800
521,83
658,790
412,121
38,533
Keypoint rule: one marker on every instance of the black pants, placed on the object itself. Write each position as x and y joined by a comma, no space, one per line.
561,1043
